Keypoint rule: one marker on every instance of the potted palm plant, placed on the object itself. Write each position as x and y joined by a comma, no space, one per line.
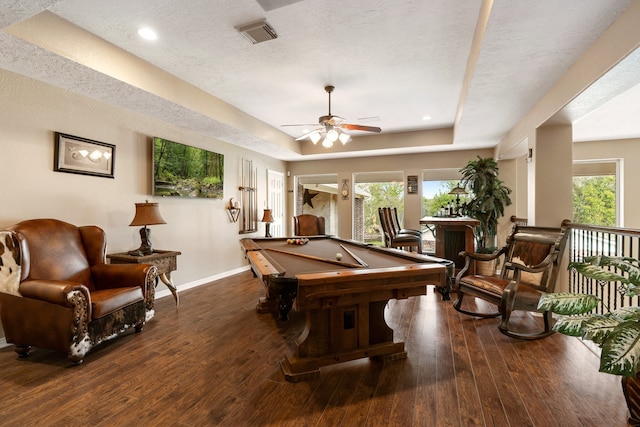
617,332
489,197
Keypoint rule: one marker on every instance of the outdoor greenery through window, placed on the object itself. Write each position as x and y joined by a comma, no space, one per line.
594,200
435,196
379,194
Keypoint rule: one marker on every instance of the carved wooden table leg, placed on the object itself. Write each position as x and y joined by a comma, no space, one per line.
166,279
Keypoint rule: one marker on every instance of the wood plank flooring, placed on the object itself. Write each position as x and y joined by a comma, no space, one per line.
215,361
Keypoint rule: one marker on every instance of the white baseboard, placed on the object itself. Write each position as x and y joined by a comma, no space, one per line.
165,292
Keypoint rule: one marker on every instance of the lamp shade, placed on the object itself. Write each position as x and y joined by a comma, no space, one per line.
147,214
267,217
458,190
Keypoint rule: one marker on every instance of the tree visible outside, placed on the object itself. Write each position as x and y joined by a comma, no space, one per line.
381,194
594,200
434,200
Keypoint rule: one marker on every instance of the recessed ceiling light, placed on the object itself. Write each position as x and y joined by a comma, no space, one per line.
426,117
147,33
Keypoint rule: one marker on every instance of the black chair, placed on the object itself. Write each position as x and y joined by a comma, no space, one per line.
393,212
392,238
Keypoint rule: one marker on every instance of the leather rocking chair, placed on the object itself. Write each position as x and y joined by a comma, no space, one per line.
530,266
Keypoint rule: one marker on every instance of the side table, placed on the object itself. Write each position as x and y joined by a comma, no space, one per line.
453,235
165,262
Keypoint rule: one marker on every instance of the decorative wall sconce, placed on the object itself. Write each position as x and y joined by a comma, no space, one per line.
530,155
233,210
345,189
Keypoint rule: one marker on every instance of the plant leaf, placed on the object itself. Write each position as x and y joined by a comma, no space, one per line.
627,313
621,351
598,328
568,303
597,272
594,267
632,291
571,325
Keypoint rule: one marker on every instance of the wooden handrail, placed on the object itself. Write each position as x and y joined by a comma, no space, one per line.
613,230
519,221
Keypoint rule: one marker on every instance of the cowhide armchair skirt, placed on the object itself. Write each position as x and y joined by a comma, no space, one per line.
57,291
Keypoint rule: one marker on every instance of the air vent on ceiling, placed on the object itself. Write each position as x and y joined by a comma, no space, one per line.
258,32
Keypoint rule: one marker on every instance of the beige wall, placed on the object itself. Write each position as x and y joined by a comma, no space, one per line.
30,113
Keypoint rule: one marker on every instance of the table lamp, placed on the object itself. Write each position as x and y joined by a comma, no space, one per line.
267,218
458,191
146,214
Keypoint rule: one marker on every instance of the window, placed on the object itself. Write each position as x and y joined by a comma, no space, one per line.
595,195
436,185
379,189
318,195
436,197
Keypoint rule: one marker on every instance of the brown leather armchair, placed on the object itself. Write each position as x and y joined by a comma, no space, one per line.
308,225
57,292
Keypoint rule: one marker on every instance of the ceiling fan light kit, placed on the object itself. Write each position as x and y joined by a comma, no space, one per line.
331,126
315,137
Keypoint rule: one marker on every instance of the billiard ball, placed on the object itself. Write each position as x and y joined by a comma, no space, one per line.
338,256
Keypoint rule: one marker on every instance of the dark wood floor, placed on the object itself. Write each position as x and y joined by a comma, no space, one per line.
215,362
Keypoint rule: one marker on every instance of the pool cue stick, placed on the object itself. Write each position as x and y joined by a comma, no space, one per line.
356,257
317,258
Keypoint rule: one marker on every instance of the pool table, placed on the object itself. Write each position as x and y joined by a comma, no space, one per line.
343,287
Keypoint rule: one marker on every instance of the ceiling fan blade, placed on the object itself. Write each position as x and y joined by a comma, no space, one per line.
308,124
360,127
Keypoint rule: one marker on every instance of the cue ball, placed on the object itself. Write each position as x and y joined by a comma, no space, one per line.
338,256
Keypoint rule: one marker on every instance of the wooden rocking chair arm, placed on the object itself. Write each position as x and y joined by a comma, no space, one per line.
544,265
483,257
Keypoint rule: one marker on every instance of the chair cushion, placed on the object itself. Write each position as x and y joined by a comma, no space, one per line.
486,284
406,238
9,264
532,278
107,301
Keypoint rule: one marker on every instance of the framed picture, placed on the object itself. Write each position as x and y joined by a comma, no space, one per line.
80,155
412,184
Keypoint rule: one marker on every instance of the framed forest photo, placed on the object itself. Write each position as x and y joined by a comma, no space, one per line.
181,170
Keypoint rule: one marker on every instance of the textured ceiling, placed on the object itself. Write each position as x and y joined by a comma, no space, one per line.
392,63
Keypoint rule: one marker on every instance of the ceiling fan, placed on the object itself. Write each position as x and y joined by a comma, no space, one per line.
332,127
